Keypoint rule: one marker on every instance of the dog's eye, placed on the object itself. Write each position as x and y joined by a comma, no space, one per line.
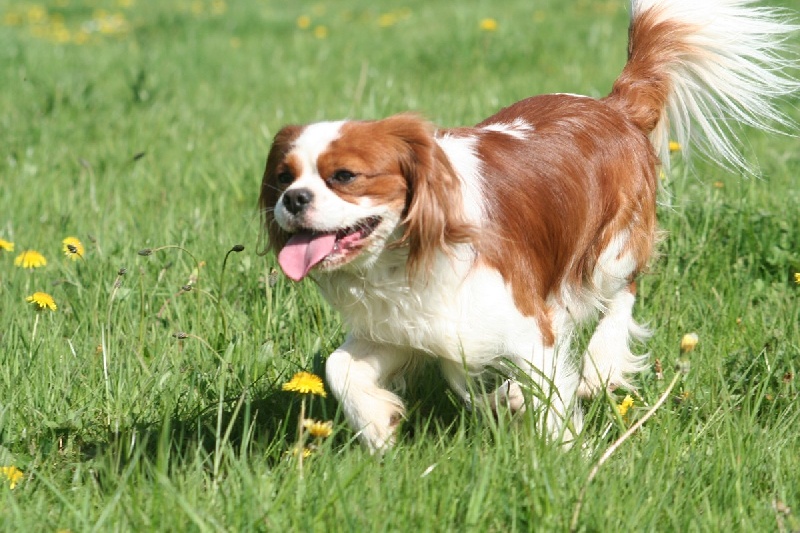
343,176
285,177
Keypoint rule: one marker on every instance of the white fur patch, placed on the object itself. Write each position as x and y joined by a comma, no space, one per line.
462,155
518,128
614,267
315,139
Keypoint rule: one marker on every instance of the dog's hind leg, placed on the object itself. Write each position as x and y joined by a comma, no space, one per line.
608,361
543,381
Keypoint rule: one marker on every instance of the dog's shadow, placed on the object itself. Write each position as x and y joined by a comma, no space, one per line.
259,421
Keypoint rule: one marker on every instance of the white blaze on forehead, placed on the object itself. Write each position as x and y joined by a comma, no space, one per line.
315,139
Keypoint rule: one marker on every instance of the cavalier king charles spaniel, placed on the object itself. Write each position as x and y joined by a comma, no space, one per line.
485,247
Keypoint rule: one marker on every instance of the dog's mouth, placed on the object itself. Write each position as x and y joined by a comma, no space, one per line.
307,248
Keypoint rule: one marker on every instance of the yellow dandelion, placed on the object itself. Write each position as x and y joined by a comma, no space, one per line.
320,32
387,19
13,474
674,146
218,7
305,383
797,277
306,452
114,24
688,342
303,22
317,428
30,259
73,248
43,300
12,19
36,14
6,246
626,404
82,37
488,24
60,34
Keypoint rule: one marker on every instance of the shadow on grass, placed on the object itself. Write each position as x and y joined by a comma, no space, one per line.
258,423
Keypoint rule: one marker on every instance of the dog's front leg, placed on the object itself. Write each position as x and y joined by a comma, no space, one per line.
358,373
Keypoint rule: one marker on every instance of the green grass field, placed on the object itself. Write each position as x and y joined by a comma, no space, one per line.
151,399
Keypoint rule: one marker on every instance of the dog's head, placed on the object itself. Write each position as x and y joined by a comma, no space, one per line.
340,193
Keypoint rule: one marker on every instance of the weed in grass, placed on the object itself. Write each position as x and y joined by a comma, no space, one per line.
73,248
13,476
30,259
307,385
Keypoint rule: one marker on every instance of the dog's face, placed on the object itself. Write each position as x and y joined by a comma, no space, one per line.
337,193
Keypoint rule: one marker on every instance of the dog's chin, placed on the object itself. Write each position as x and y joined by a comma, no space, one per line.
309,249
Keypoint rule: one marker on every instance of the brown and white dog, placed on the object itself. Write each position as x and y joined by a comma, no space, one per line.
486,246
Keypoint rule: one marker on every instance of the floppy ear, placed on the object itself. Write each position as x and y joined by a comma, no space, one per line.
434,218
270,191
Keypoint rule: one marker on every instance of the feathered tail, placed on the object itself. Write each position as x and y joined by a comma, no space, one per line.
697,68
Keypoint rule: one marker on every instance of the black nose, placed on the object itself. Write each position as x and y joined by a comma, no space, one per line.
296,200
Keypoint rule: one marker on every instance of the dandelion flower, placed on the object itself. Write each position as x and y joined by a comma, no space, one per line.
43,300
626,404
387,19
688,342
218,7
30,259
306,452
36,14
317,428
320,32
797,277
674,146
13,474
305,383
303,22
12,19
73,248
489,24
6,246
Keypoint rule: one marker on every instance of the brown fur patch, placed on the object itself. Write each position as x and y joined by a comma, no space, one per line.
271,190
556,199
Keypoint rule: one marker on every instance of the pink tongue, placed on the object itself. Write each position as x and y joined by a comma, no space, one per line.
303,251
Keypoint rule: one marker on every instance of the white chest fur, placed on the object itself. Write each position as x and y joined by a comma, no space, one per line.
459,312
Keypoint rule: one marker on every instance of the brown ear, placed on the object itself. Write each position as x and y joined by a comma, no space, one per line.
434,219
270,191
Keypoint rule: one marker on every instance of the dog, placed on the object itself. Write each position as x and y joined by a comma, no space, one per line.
485,247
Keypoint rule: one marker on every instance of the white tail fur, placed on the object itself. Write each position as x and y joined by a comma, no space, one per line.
735,64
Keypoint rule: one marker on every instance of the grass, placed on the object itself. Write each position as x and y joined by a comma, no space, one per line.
139,405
